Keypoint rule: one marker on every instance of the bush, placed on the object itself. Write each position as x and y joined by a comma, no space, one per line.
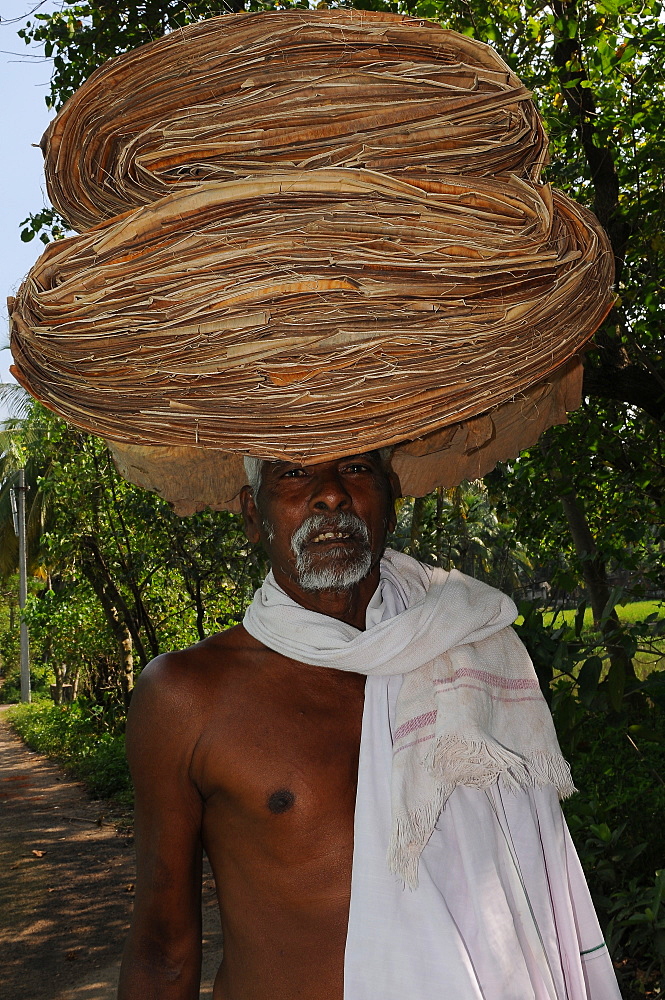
87,739
616,824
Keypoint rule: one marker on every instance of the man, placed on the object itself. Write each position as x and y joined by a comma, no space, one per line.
252,755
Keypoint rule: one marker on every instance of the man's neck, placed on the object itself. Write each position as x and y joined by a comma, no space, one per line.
348,605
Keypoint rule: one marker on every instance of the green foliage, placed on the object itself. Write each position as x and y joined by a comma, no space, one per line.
87,739
643,630
618,760
616,823
461,528
118,574
81,36
10,654
70,637
574,673
624,771
624,510
637,925
635,611
47,225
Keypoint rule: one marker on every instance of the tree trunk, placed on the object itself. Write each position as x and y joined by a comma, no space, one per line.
438,535
200,610
76,677
126,664
596,583
59,671
417,518
125,647
461,531
120,629
109,596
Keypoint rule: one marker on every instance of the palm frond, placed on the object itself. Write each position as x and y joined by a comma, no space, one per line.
16,400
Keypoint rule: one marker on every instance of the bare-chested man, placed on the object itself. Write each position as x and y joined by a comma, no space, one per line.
253,757
240,749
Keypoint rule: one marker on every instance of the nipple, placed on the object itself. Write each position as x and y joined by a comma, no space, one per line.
280,801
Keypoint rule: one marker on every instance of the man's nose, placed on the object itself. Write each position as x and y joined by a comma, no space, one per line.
329,492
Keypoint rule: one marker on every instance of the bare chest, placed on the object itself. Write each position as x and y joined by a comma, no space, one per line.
277,763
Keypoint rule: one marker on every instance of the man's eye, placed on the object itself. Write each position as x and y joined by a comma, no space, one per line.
357,467
293,473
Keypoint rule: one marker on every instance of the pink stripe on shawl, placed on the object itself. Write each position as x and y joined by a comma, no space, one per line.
413,743
498,697
511,683
419,722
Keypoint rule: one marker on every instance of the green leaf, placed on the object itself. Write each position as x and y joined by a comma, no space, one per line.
645,733
588,679
616,683
602,831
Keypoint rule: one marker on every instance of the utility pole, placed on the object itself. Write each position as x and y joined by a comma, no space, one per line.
18,510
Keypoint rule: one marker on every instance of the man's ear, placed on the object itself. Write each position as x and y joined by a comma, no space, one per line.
250,515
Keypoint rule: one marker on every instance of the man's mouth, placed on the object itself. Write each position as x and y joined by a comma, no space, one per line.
332,553
335,536
327,536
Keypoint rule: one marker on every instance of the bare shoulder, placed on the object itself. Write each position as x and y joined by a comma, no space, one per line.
192,670
175,691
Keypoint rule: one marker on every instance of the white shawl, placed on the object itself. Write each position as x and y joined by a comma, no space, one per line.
470,707
501,910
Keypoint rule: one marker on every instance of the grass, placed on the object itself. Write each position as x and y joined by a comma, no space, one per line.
637,611
650,655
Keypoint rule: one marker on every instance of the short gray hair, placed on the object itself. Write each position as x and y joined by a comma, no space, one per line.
253,471
254,467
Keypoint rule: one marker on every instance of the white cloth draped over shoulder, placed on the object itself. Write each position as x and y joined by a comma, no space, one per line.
458,784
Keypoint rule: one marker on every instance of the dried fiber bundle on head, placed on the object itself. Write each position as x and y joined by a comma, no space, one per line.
340,303
309,313
297,89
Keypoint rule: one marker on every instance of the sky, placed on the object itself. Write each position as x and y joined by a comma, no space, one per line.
24,79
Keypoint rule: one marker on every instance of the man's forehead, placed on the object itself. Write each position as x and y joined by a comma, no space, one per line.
367,456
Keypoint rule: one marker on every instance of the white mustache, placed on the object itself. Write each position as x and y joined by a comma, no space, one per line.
344,522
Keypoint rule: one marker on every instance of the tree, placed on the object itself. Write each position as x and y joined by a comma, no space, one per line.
154,580
460,528
597,73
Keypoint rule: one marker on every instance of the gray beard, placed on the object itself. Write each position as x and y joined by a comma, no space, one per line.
337,570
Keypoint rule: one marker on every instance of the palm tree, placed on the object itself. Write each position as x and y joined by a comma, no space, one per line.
18,436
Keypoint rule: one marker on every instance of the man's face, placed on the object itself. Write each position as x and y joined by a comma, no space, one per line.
323,526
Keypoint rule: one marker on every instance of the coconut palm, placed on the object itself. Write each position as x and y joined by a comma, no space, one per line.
22,439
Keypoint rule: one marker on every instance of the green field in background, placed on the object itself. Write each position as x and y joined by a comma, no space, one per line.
635,612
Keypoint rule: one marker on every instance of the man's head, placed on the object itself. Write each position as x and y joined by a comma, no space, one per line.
323,526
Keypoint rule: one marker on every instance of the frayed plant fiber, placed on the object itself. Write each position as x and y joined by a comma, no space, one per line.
295,89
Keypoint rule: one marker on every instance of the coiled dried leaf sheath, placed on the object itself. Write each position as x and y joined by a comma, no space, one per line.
250,286
310,312
240,94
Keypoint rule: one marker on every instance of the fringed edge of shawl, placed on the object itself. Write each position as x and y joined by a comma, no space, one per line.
454,760
410,834
474,763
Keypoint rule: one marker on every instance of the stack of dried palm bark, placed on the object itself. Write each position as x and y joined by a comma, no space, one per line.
332,237
241,95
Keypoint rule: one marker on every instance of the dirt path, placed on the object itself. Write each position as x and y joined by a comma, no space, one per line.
66,889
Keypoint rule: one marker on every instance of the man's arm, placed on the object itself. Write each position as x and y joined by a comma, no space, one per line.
162,958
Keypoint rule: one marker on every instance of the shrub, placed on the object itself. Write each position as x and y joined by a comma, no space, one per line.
87,739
